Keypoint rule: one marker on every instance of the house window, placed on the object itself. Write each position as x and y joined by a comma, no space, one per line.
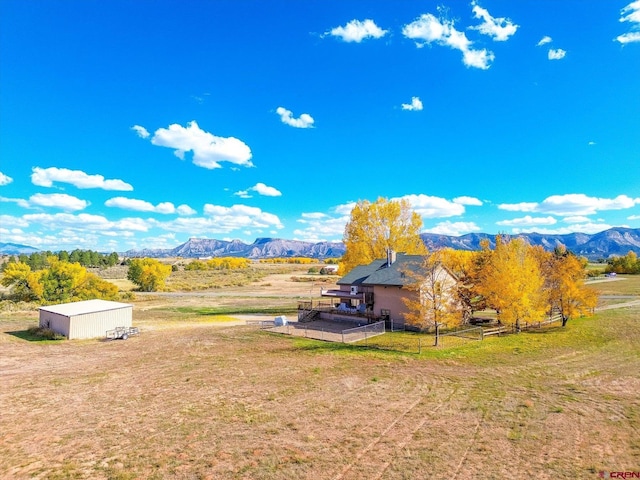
385,313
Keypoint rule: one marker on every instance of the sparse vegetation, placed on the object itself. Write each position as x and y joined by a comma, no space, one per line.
197,398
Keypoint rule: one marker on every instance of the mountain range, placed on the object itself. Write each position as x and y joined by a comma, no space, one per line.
612,242
615,241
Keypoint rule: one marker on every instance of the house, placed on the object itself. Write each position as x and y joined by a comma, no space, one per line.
86,319
377,290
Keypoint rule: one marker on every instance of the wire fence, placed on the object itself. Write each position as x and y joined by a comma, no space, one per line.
363,333
398,338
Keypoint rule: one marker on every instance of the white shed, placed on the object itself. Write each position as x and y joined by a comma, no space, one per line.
86,319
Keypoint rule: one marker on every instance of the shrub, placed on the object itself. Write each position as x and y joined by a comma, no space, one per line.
45,333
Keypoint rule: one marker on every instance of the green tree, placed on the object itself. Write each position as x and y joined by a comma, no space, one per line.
376,227
628,263
148,274
61,282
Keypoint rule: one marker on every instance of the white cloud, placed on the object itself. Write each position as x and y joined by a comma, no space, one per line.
303,121
632,217
573,204
471,201
453,228
85,222
556,54
320,227
4,179
21,202
141,131
433,207
630,37
58,200
519,207
583,228
12,221
314,215
527,221
45,177
631,14
356,31
141,205
265,190
208,149
500,29
591,143
576,219
227,219
427,29
345,208
243,194
415,105
261,189
185,210
544,40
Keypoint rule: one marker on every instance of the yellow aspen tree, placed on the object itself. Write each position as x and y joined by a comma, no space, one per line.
565,289
462,264
434,300
20,278
149,274
377,227
512,282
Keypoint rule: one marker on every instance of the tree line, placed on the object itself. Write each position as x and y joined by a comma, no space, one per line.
522,283
628,263
86,258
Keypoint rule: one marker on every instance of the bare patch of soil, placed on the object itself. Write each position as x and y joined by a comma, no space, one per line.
194,398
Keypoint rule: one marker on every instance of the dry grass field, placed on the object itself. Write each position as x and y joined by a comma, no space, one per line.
197,396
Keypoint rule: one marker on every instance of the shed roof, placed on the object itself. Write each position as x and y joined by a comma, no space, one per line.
84,307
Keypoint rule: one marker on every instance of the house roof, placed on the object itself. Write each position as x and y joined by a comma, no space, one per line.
84,307
361,273
379,272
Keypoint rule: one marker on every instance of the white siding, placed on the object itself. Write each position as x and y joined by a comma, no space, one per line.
76,321
55,321
91,325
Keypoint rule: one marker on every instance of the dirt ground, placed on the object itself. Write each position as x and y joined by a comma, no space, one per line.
197,399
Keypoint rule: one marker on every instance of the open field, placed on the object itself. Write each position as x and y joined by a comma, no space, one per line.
198,396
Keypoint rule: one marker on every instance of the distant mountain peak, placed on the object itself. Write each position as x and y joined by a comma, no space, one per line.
602,245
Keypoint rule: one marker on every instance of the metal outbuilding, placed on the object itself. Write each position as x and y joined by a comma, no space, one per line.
86,319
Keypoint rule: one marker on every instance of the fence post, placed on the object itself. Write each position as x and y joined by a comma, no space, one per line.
342,337
419,345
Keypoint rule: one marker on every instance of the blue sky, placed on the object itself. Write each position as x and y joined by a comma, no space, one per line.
132,124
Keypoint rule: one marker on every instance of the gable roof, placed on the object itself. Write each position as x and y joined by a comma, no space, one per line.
84,307
360,273
379,272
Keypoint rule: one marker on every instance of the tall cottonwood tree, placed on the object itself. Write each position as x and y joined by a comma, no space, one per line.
377,227
435,298
512,283
564,286
149,274
463,265
61,282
